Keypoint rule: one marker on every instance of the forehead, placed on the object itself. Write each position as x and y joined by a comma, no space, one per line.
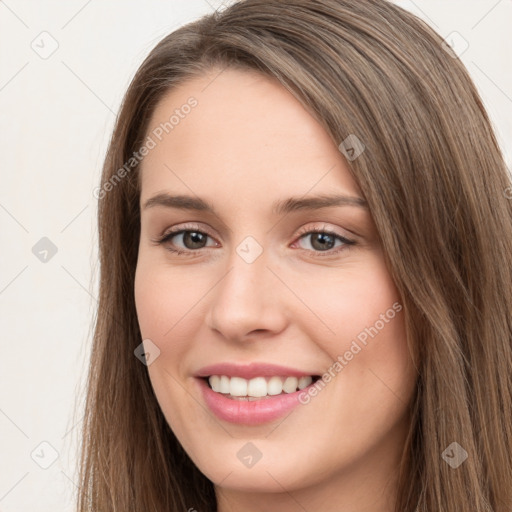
244,137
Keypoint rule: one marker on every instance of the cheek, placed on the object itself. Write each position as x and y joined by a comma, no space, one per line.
166,316
353,303
362,329
167,304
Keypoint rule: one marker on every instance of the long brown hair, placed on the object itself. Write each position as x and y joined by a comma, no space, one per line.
436,184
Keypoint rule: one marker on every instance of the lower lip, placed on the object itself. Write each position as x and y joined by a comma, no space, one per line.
246,412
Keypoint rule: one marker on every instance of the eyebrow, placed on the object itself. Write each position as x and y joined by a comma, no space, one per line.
280,207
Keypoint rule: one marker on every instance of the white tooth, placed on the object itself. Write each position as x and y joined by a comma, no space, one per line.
275,386
215,382
224,384
238,386
304,382
290,384
257,387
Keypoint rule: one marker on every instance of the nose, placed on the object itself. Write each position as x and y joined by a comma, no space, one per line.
248,303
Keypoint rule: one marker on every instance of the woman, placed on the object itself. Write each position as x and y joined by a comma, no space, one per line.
305,248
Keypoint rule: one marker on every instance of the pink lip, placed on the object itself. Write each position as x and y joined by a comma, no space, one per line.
249,371
244,412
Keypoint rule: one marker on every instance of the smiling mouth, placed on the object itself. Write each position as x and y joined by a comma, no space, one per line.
258,388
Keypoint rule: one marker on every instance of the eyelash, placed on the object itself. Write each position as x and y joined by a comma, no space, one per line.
191,252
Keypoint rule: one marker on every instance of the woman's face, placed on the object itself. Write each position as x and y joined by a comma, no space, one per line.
259,300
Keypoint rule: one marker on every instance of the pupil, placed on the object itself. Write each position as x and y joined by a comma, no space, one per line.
324,240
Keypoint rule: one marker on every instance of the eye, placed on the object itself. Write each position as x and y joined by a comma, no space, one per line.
191,237
324,241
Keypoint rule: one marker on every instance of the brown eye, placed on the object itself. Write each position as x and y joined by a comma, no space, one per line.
183,240
193,239
322,241
325,241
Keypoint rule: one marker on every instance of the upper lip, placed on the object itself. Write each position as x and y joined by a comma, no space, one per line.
251,370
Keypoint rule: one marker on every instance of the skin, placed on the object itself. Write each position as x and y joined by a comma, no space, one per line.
246,144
